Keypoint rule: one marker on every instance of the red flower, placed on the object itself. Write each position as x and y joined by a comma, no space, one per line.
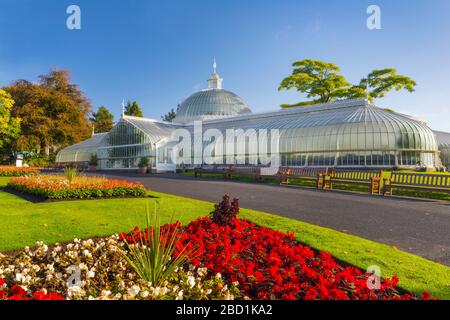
271,265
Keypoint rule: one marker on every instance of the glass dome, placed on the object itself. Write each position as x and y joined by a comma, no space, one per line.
211,104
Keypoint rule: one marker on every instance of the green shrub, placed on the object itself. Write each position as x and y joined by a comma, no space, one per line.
144,162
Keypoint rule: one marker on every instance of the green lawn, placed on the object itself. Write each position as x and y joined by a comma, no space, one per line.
23,223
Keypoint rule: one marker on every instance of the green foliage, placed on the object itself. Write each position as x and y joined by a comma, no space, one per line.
379,82
168,117
62,221
103,120
94,160
153,258
143,162
71,173
133,109
321,81
40,160
53,113
9,126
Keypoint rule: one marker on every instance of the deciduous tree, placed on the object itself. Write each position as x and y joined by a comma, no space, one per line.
53,112
9,125
379,82
320,80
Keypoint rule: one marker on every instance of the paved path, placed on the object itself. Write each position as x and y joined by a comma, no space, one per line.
418,226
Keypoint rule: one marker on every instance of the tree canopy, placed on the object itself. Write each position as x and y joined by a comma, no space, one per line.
168,117
103,120
53,112
9,126
133,109
323,82
379,82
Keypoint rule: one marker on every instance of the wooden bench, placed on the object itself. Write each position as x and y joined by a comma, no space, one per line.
213,169
286,174
416,181
249,171
370,178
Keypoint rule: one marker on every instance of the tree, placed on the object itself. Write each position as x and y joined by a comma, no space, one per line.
9,126
103,120
168,117
321,81
379,82
133,109
53,112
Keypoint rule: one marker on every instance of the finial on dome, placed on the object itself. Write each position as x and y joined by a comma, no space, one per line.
215,82
215,66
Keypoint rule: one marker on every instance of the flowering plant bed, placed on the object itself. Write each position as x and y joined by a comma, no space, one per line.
17,172
17,292
60,188
271,265
229,258
103,275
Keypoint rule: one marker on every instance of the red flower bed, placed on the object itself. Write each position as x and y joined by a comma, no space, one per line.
18,293
17,172
272,265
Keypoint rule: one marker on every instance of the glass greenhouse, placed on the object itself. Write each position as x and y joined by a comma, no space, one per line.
444,147
352,133
81,152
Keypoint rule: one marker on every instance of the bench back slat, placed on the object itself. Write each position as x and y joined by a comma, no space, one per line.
417,179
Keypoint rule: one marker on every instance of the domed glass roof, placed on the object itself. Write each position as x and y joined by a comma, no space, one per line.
212,103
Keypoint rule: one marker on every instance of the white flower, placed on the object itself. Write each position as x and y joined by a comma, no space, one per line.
191,281
180,295
144,294
20,277
105,293
133,291
90,274
74,292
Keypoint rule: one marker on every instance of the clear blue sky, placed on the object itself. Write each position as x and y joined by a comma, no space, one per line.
160,52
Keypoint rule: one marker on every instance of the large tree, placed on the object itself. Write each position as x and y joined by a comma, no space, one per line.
323,82
133,109
103,120
320,80
379,82
53,112
168,117
9,126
